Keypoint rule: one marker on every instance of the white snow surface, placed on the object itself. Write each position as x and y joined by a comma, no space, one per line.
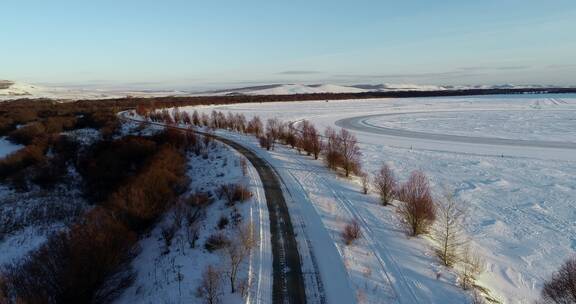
521,199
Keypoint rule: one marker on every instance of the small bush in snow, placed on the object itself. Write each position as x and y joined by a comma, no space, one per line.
223,222
266,142
244,166
351,232
216,241
365,179
168,233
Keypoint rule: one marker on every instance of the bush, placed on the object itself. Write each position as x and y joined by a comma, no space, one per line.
351,232
266,142
417,206
199,199
234,193
216,241
223,222
561,288
168,233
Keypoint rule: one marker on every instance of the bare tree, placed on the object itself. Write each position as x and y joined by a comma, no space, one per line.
448,229
385,184
210,288
417,205
237,252
561,288
350,152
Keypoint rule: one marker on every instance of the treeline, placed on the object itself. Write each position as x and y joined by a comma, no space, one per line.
132,181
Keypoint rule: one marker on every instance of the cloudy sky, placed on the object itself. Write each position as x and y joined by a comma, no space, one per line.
201,44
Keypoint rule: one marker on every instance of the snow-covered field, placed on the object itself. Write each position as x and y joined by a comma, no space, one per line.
521,197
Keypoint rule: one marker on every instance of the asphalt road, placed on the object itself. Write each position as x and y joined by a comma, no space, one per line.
359,123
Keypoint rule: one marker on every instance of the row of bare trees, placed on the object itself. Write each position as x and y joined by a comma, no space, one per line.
340,148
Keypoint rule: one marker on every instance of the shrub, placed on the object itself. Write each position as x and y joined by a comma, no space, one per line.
200,199
561,288
233,193
417,206
365,179
168,233
351,232
215,242
266,141
254,126
223,222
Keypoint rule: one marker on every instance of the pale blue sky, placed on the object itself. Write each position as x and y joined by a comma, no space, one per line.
196,44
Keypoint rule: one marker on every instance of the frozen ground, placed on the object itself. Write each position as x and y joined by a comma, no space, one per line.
522,205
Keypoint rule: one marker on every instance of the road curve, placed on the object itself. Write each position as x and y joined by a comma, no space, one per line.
359,123
288,281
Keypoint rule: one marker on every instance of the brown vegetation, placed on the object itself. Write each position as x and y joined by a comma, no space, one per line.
561,288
